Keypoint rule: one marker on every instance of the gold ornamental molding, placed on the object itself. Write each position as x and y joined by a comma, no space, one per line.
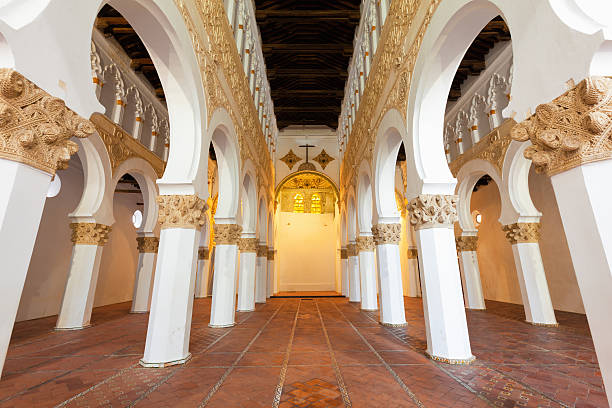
520,233
393,62
492,148
227,234
181,211
572,130
35,127
248,244
148,244
433,211
89,233
387,234
121,146
203,253
467,243
366,244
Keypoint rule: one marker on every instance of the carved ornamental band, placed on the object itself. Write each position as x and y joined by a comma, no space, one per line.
365,244
351,250
147,244
467,243
413,253
85,233
270,254
262,251
181,211
248,244
387,234
227,234
343,253
203,253
35,127
522,232
572,130
433,211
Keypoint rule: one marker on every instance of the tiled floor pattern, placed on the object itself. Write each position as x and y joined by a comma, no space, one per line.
304,353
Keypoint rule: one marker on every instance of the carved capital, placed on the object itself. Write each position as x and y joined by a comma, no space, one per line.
413,253
203,253
86,233
262,251
227,234
522,232
572,130
351,250
343,253
365,244
433,211
467,243
248,244
148,244
181,211
387,234
270,254
35,127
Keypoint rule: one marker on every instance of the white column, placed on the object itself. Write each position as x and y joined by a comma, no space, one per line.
433,217
261,274
470,273
118,110
223,307
77,303
137,129
367,272
153,141
414,283
387,238
353,274
173,289
344,278
143,286
203,273
24,191
524,239
246,278
270,259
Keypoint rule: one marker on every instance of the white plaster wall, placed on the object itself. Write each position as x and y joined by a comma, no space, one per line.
306,255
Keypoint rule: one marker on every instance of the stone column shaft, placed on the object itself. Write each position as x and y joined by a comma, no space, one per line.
344,278
222,313
414,283
353,274
270,258
367,272
470,273
246,284
261,274
203,273
143,286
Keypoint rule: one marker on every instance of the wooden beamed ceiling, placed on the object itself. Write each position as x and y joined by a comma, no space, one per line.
112,24
473,62
307,45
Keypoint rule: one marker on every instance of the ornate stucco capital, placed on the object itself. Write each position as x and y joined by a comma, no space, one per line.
148,244
89,233
343,253
181,211
203,253
262,251
351,250
572,130
522,232
270,254
35,127
365,244
413,253
387,234
227,234
248,244
433,211
467,243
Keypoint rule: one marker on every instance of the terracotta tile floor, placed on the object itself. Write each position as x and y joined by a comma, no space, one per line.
304,353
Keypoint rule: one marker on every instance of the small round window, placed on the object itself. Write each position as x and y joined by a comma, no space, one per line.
137,219
54,187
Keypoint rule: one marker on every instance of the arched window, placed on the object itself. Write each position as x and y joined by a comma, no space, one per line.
315,204
298,203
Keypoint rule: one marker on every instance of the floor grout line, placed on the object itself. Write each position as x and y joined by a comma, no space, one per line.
283,373
397,378
216,387
339,379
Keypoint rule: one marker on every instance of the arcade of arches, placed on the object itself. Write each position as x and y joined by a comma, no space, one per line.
359,203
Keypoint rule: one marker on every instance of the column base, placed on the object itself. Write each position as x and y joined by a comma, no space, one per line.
393,324
72,328
542,324
369,310
354,301
451,361
246,310
167,364
138,312
221,326
476,308
201,297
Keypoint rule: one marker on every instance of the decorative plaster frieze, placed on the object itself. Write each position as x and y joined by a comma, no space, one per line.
227,234
433,211
148,244
522,232
86,233
387,234
467,243
248,244
35,127
181,211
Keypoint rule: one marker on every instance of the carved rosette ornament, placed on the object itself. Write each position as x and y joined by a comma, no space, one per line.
227,234
387,234
262,251
572,130
366,244
343,253
89,233
181,211
35,127
248,244
522,232
351,250
433,211
147,244
203,253
270,254
467,243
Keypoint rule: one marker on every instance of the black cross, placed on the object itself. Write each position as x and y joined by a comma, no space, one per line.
307,146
